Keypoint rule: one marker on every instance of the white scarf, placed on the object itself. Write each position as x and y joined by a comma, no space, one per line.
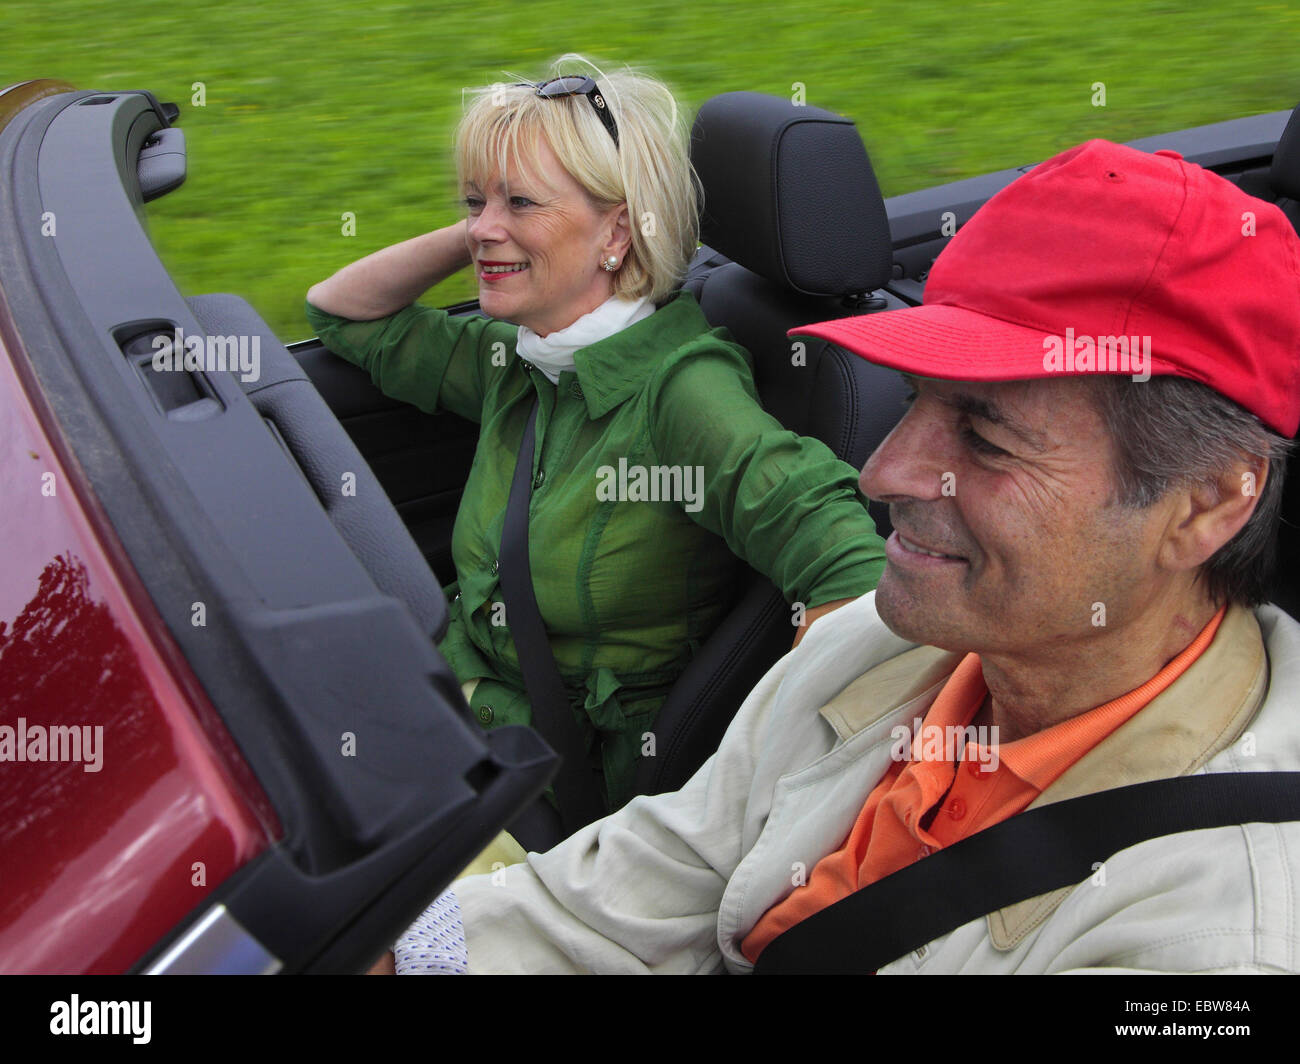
553,354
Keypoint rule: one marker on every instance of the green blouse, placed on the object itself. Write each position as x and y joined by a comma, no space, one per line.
655,468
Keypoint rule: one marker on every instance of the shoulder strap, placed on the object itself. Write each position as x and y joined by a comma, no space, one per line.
577,790
1035,852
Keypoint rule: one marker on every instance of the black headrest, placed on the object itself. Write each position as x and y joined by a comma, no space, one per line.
1284,175
789,193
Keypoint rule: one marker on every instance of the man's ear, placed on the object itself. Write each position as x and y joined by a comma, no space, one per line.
1210,513
620,234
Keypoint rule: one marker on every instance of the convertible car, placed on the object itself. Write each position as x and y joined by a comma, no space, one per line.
227,740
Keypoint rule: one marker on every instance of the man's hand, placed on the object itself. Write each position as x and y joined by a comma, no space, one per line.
811,615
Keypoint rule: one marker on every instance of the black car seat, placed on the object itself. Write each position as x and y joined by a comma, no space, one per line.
1284,174
795,232
1280,184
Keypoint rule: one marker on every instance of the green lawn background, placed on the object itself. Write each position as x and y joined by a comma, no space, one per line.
314,109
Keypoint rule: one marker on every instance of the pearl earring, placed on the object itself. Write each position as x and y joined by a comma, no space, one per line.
610,264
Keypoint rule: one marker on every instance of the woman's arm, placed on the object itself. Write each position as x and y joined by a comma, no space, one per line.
385,282
784,503
366,313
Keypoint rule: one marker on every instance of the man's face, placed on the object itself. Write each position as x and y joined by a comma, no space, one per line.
1012,483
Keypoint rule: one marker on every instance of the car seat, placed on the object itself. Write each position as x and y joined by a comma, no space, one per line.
795,232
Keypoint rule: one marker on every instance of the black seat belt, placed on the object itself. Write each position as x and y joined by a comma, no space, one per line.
577,787
1032,853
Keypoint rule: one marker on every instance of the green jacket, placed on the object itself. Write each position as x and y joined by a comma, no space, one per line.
655,468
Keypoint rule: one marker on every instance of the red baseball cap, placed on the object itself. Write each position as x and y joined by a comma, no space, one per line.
1106,259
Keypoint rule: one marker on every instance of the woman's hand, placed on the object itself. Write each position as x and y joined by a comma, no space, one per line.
385,282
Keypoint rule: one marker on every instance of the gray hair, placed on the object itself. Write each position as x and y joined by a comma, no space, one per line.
1172,431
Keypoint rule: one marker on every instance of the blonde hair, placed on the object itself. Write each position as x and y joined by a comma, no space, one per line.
649,169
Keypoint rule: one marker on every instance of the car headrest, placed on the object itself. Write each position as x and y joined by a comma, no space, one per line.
790,194
1284,175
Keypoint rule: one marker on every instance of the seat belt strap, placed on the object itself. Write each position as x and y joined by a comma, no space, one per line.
1032,853
577,786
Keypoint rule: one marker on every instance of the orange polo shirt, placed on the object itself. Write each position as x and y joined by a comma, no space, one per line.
948,784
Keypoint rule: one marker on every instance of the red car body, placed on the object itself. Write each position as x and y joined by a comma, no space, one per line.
227,743
102,857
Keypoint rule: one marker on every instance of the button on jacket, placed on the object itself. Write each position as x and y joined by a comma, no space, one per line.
655,468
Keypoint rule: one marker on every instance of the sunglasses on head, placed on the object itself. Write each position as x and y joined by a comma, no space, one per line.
580,85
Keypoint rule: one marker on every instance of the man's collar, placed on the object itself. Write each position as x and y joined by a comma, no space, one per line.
616,368
1197,717
881,691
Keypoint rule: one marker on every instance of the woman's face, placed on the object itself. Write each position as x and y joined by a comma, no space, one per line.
537,244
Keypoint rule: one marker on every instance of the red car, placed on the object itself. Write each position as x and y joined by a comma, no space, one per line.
227,741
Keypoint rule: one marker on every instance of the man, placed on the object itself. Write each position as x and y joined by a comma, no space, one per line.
1084,491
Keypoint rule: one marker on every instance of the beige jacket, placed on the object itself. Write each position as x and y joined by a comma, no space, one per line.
674,882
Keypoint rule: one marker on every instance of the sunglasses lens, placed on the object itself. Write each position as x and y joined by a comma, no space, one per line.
580,85
570,85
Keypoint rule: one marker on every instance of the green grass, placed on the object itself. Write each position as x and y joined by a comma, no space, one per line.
314,109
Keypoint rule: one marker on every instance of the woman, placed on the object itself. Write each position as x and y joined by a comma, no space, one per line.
581,220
